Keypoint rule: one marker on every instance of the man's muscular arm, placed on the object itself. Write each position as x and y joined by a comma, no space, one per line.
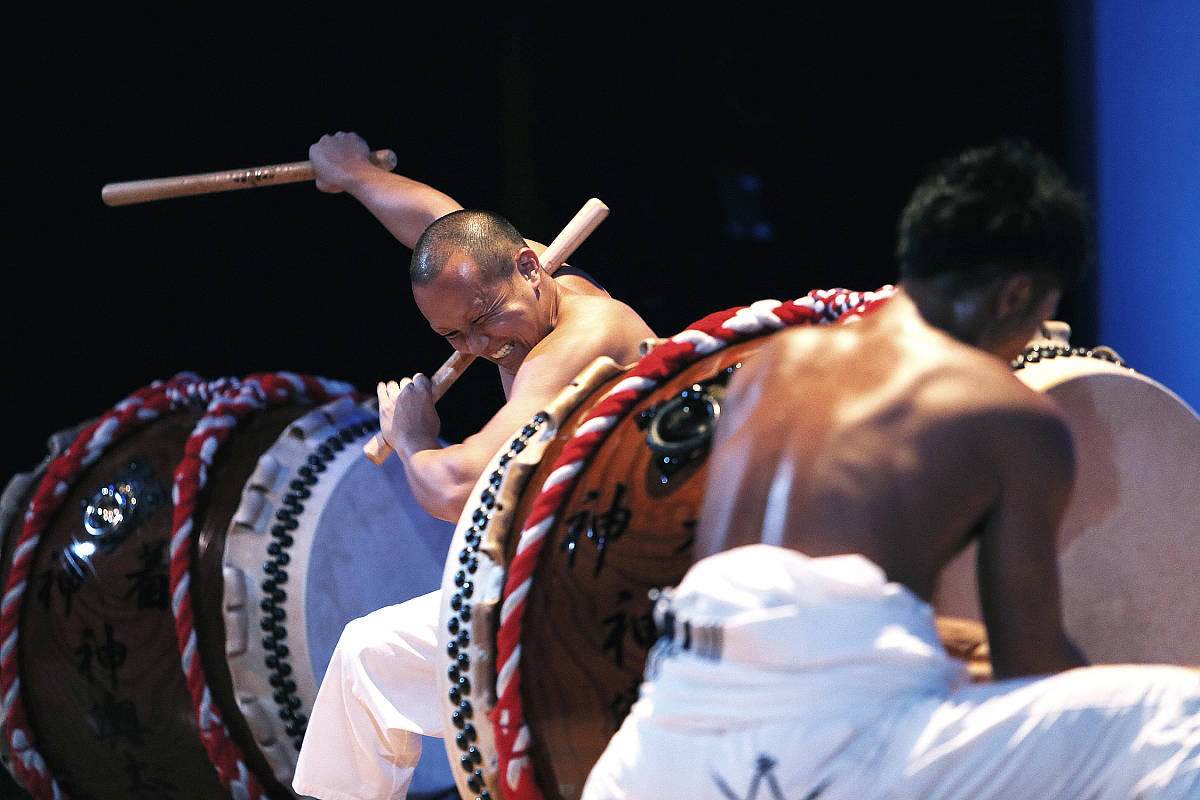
1018,554
441,478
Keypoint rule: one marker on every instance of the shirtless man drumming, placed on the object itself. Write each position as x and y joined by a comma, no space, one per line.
799,657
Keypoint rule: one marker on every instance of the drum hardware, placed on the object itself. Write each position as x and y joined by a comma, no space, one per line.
1035,353
113,509
680,429
109,517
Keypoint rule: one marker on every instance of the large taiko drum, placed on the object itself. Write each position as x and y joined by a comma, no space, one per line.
176,579
546,596
1129,544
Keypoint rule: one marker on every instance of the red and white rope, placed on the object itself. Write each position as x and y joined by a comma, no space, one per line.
702,338
228,400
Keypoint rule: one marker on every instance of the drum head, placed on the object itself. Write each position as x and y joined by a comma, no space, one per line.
1127,545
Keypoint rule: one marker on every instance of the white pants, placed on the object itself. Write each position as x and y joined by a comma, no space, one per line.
816,678
378,698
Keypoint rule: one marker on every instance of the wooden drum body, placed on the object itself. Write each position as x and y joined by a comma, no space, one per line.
546,608
179,576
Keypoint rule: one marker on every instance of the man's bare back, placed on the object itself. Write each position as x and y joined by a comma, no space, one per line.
900,444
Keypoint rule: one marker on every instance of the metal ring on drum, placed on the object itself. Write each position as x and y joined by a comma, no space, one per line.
1127,544
201,541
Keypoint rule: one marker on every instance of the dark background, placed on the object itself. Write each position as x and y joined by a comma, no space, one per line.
834,110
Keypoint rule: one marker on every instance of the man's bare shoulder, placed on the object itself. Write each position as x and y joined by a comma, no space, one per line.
589,327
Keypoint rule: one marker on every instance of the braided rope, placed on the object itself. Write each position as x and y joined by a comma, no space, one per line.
191,475
701,339
184,391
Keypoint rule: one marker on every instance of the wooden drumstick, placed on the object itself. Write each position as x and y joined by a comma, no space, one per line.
124,193
578,229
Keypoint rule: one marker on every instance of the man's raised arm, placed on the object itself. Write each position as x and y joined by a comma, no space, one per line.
403,205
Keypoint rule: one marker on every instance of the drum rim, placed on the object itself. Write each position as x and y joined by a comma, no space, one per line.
705,337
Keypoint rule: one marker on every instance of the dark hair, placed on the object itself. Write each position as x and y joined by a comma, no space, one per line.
997,208
489,240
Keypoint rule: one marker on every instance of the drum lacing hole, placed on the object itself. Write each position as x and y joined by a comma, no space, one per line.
468,589
457,719
282,558
280,576
472,565
318,464
465,554
456,602
488,498
464,638
465,613
504,459
325,452
468,732
279,632
466,763
476,780
480,518
453,673
267,604
460,578
282,650
496,478
484,795
475,755
334,444
452,625
464,660
279,595
306,472
461,740
268,643
452,649
455,697
518,446
464,686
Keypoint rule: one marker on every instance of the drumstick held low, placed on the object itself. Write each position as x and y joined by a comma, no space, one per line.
579,228
127,192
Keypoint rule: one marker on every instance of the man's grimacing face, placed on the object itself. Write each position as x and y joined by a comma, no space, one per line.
499,321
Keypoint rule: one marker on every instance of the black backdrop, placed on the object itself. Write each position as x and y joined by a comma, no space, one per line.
828,114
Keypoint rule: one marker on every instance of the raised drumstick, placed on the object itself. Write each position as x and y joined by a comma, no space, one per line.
124,193
578,229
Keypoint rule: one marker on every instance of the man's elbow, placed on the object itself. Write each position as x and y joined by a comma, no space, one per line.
440,488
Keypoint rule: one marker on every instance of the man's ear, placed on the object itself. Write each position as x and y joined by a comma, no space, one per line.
529,266
1013,297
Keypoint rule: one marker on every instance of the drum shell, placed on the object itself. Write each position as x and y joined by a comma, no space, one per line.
105,740
162,754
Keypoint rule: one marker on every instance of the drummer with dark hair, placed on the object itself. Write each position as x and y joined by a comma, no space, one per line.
850,464
480,284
